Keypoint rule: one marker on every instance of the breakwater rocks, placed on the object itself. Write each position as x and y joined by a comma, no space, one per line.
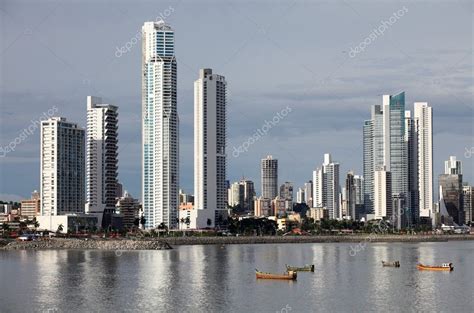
168,242
313,239
69,243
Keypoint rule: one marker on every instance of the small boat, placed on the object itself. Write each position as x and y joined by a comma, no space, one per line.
290,275
306,268
391,264
443,267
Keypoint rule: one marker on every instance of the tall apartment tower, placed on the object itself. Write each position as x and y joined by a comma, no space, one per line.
412,199
209,145
62,167
423,117
468,203
308,193
452,166
249,194
383,194
326,187
269,177
160,155
101,159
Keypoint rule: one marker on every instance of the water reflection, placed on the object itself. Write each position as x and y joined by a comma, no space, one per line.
221,278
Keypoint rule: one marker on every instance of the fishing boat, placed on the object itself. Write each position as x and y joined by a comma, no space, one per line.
391,264
443,267
290,275
306,268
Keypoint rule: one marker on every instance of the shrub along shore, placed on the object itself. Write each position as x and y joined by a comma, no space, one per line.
168,242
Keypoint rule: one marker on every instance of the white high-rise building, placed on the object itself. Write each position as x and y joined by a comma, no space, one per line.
300,197
326,187
160,158
210,99
62,167
101,158
382,193
423,117
452,166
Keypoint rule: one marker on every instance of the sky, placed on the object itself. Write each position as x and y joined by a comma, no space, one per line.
324,63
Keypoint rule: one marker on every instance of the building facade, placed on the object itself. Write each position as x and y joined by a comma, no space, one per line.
210,105
452,191
160,137
62,167
129,209
468,203
101,159
452,166
31,207
269,177
383,194
326,187
424,135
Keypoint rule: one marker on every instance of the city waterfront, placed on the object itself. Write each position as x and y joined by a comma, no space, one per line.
217,278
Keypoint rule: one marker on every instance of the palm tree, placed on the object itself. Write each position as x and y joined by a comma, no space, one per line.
60,228
5,227
143,221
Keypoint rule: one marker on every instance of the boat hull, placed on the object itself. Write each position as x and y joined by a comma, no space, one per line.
289,276
391,264
422,267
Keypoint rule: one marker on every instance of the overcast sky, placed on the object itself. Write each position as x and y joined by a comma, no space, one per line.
274,54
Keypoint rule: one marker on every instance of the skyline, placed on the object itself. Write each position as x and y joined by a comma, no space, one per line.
299,136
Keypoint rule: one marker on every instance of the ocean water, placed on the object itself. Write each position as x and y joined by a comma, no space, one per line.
219,278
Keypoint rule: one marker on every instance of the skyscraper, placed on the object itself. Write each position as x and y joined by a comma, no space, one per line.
349,196
308,193
468,199
326,187
385,146
412,200
451,190
383,194
62,167
249,194
300,196
452,166
269,177
210,99
424,135
286,193
236,195
101,165
359,198
160,178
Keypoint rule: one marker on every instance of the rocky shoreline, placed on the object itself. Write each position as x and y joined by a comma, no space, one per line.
168,242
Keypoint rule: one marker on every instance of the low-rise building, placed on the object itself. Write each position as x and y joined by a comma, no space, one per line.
263,207
30,208
279,206
70,223
129,209
318,213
